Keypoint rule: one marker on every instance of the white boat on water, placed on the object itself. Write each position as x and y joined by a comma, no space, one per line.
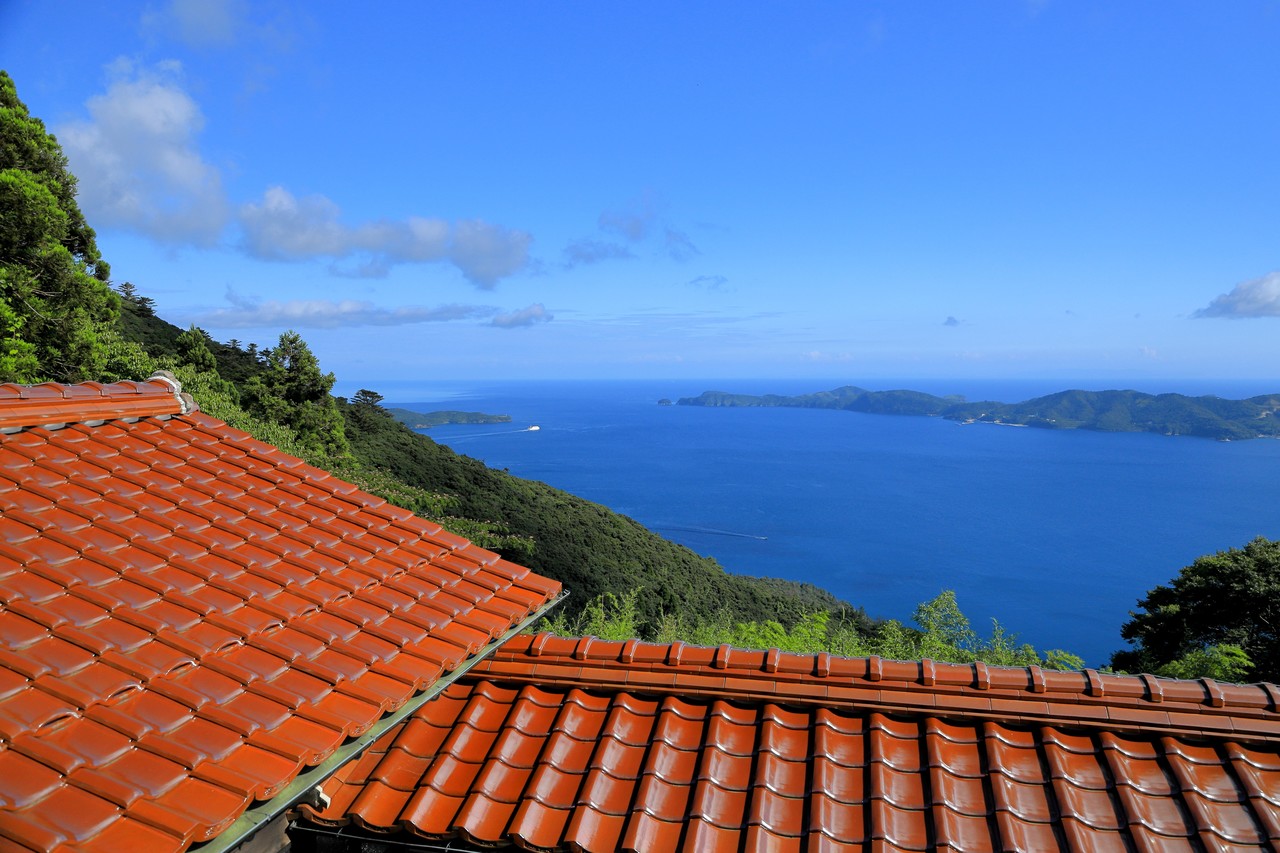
534,428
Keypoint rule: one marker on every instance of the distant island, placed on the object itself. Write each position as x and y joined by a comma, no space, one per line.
1105,411
426,420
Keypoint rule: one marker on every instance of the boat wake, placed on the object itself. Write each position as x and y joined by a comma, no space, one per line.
469,435
711,530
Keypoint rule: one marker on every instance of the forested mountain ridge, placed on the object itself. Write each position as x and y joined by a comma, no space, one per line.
426,420
1105,411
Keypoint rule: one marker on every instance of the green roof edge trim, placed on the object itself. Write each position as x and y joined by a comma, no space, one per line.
261,815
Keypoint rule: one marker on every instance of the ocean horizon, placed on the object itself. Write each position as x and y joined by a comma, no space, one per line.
1056,534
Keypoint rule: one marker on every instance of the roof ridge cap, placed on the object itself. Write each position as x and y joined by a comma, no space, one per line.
676,653
54,405
187,402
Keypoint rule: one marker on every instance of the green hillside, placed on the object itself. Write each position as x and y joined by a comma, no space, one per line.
1104,411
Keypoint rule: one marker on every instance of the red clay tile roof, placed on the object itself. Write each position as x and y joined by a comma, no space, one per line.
556,744
189,618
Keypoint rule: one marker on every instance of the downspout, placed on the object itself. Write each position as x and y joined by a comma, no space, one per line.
267,811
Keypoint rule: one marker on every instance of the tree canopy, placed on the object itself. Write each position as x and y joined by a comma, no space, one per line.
57,312
292,390
942,633
1220,617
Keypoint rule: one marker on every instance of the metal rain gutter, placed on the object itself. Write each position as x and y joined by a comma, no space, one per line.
267,811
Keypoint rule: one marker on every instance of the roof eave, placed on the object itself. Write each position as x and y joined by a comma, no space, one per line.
263,814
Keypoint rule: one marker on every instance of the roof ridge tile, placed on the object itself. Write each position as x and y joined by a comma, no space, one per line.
52,405
1088,698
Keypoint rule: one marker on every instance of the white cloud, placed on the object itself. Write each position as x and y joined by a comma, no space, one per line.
416,239
245,313
485,253
282,227
1259,297
140,169
285,228
137,160
527,316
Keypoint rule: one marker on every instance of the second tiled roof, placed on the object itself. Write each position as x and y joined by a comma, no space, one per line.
586,745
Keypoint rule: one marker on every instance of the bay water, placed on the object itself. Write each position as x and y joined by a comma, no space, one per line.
1056,534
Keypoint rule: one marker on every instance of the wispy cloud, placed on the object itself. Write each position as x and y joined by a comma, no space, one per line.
137,160
631,221
635,222
709,282
695,323
198,23
679,246
530,315
247,313
827,357
656,358
590,251
1259,297
283,227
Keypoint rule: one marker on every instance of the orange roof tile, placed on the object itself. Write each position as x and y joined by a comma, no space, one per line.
190,618
557,744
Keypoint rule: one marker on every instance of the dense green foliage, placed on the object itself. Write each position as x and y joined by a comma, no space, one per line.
941,632
1107,411
57,314
1220,616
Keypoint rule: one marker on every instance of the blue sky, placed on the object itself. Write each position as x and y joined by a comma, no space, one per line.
837,191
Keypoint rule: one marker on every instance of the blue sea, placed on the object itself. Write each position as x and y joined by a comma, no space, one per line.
1054,534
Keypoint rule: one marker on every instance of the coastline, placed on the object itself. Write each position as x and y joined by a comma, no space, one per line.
886,512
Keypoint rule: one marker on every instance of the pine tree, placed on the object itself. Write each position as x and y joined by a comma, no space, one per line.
293,391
